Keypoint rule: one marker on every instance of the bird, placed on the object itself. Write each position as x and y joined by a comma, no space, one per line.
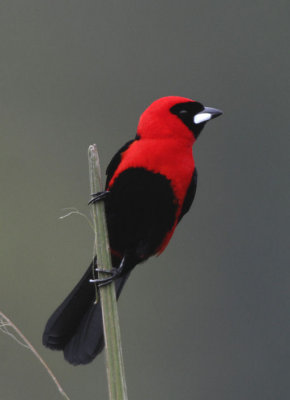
150,185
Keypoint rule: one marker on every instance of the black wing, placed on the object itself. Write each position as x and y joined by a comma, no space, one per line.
189,195
113,165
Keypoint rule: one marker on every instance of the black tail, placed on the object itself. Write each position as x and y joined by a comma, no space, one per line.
76,325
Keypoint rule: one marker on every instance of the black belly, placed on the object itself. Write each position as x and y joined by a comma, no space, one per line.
141,210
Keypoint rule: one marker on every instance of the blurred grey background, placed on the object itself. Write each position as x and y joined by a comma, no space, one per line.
210,318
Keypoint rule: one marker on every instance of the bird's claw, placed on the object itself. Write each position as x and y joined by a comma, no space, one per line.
98,196
114,274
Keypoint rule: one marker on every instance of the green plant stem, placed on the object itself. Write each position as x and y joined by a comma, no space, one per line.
113,349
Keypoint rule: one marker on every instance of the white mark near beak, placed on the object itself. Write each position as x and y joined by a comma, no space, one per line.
201,117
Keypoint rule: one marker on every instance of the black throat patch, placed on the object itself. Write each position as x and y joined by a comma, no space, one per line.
186,112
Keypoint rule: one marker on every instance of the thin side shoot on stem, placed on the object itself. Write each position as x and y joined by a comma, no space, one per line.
5,324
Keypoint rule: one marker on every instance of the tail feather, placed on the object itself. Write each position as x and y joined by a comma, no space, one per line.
88,340
66,318
76,325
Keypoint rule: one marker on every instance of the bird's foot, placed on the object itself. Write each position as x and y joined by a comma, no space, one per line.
99,196
114,273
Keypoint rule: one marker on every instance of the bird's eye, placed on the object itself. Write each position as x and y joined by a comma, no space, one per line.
182,112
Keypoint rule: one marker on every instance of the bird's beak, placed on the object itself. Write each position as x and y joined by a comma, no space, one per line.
206,114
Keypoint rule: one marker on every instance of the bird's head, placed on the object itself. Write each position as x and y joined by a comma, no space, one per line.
175,117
